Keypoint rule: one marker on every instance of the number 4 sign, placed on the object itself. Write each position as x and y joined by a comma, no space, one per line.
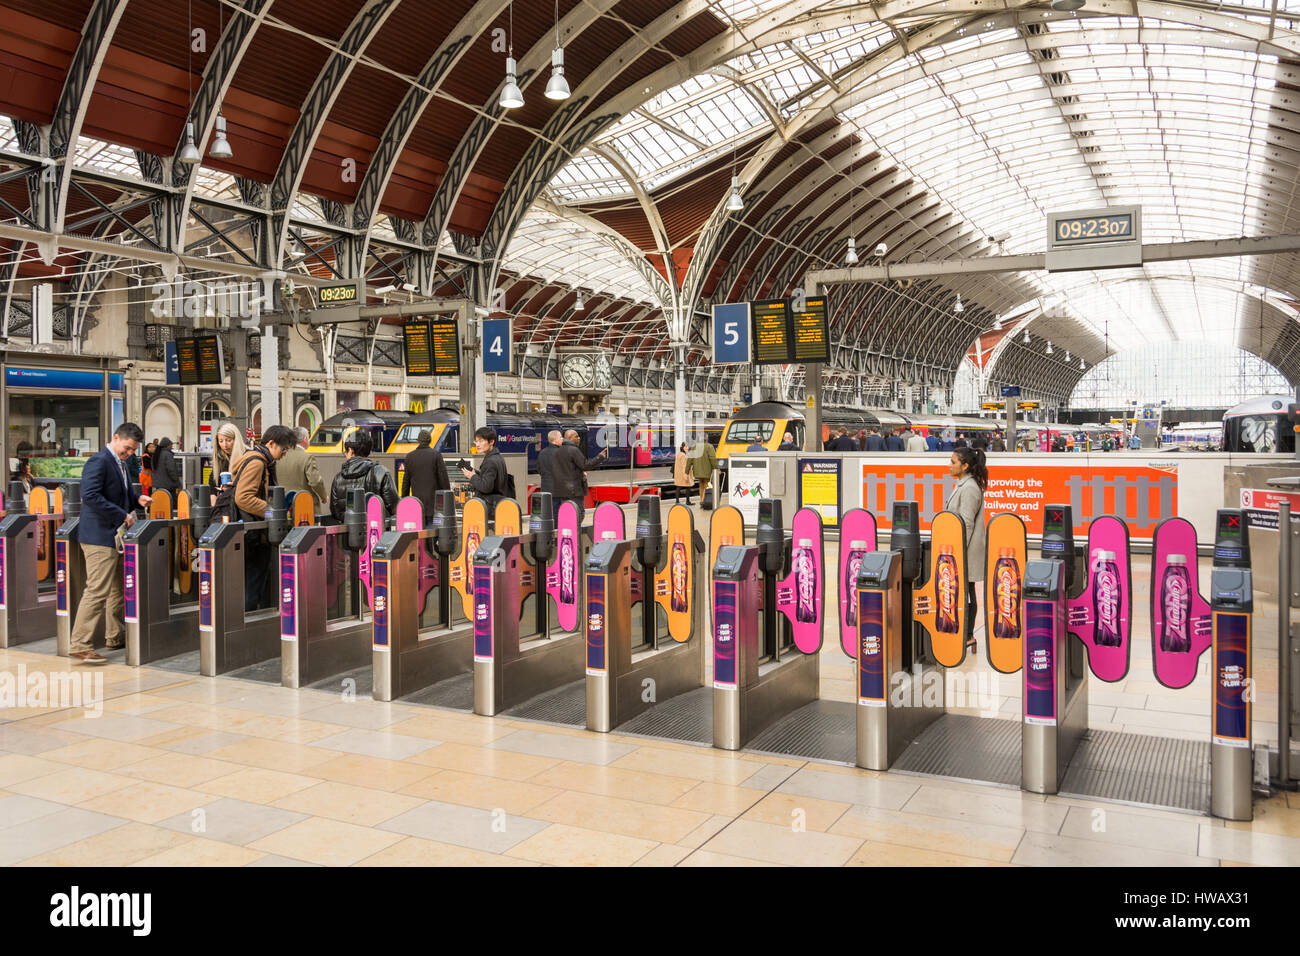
496,345
731,334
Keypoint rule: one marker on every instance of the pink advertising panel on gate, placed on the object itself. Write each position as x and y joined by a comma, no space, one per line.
610,524
410,517
1181,626
374,530
799,596
562,573
857,538
1140,495
1102,614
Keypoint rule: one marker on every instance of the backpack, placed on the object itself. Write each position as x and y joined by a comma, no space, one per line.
223,505
509,490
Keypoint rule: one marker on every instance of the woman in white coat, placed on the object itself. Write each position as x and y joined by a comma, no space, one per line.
967,465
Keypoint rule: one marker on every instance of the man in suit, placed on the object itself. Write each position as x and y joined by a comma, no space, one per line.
298,471
874,442
892,441
105,506
425,472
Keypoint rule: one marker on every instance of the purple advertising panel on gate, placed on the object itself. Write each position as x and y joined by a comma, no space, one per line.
1181,627
288,598
799,594
1231,679
857,539
1040,663
60,577
205,589
724,633
379,604
1102,614
483,648
130,593
871,648
595,623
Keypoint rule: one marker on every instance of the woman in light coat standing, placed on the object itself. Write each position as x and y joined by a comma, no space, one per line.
682,477
966,500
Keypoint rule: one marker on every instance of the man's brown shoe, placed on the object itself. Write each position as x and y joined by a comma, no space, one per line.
88,657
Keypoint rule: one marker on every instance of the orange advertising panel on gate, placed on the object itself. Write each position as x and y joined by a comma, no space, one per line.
1141,495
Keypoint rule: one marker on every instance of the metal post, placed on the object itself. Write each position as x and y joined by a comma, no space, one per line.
1011,404
1283,643
813,416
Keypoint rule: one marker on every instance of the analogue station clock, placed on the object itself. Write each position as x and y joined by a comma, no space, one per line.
586,372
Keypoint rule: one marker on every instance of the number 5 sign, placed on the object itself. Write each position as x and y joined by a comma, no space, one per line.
731,334
496,345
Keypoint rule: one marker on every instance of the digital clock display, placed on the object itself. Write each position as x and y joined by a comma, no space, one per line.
1089,229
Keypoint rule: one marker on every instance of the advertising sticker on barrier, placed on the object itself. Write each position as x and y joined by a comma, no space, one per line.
871,651
1101,615
1231,679
819,488
724,635
4,556
1181,626
1141,495
205,590
857,539
562,573
675,584
939,605
130,593
288,598
483,643
799,595
748,479
60,578
1004,621
380,605
595,625
1040,663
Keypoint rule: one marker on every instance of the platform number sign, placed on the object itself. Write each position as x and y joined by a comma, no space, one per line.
731,333
496,345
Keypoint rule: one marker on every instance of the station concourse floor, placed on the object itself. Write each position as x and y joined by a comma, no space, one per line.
285,777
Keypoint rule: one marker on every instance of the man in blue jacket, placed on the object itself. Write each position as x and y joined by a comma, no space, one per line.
105,507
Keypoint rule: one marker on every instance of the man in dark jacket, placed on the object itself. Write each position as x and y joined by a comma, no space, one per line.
842,441
568,467
360,473
105,506
166,469
491,481
874,442
892,441
425,473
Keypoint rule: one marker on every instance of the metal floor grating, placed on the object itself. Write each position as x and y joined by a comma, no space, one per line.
962,747
456,693
1135,768
687,717
820,730
363,676
263,672
187,663
564,705
49,645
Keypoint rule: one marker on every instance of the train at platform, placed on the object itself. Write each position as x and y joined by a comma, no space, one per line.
1260,425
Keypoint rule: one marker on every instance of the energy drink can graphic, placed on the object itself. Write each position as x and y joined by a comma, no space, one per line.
857,550
1105,599
678,559
567,564
945,588
1006,595
805,585
1176,603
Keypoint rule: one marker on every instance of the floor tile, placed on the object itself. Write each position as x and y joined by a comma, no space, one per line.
272,859
328,842
72,785
453,729
116,727
613,782
871,791
1050,849
997,807
18,738
719,798
363,713
706,831
953,837
16,810
716,766
490,830
52,831
374,743
664,855
390,775
271,755
486,793
779,844
179,769
796,810
15,768
1114,825
593,749
1275,818
201,742
710,858
893,854
769,777
561,845
232,821
120,846
489,763
413,851
257,785
147,802
341,801
627,817
200,852
1239,846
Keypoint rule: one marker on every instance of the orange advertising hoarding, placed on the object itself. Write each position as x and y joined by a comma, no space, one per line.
1141,495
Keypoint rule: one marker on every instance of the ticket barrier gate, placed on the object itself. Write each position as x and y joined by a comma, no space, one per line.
1232,607
325,623
230,637
416,640
69,569
753,684
26,613
624,679
161,621
509,669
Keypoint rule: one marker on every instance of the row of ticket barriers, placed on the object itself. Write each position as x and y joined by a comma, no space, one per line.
492,611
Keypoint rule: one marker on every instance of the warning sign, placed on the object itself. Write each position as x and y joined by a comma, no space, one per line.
1261,506
819,488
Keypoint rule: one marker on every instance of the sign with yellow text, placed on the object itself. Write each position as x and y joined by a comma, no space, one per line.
819,488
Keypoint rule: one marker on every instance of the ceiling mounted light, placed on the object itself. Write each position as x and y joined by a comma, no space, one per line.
579,305
189,152
511,96
1067,355
957,307
997,323
851,257
220,145
1049,347
1066,6
558,87
1026,338
734,202
1082,366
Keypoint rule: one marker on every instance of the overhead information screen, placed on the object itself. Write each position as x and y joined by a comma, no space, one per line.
200,360
446,346
810,333
416,349
771,319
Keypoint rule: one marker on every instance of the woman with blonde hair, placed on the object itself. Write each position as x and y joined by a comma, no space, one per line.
227,447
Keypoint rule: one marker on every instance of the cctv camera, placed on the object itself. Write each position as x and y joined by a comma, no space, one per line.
881,249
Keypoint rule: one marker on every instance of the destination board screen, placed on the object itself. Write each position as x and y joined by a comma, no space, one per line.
810,333
200,360
771,318
446,346
416,349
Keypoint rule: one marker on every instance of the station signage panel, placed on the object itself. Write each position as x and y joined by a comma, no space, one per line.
1010,391
731,328
416,350
810,333
496,345
771,323
343,294
445,339
200,360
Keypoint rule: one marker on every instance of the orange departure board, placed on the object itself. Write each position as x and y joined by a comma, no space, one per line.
416,349
445,338
200,360
771,319
810,332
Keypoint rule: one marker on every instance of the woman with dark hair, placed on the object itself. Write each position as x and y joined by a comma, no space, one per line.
967,465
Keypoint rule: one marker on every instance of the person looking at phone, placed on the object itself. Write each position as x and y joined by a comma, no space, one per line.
491,480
